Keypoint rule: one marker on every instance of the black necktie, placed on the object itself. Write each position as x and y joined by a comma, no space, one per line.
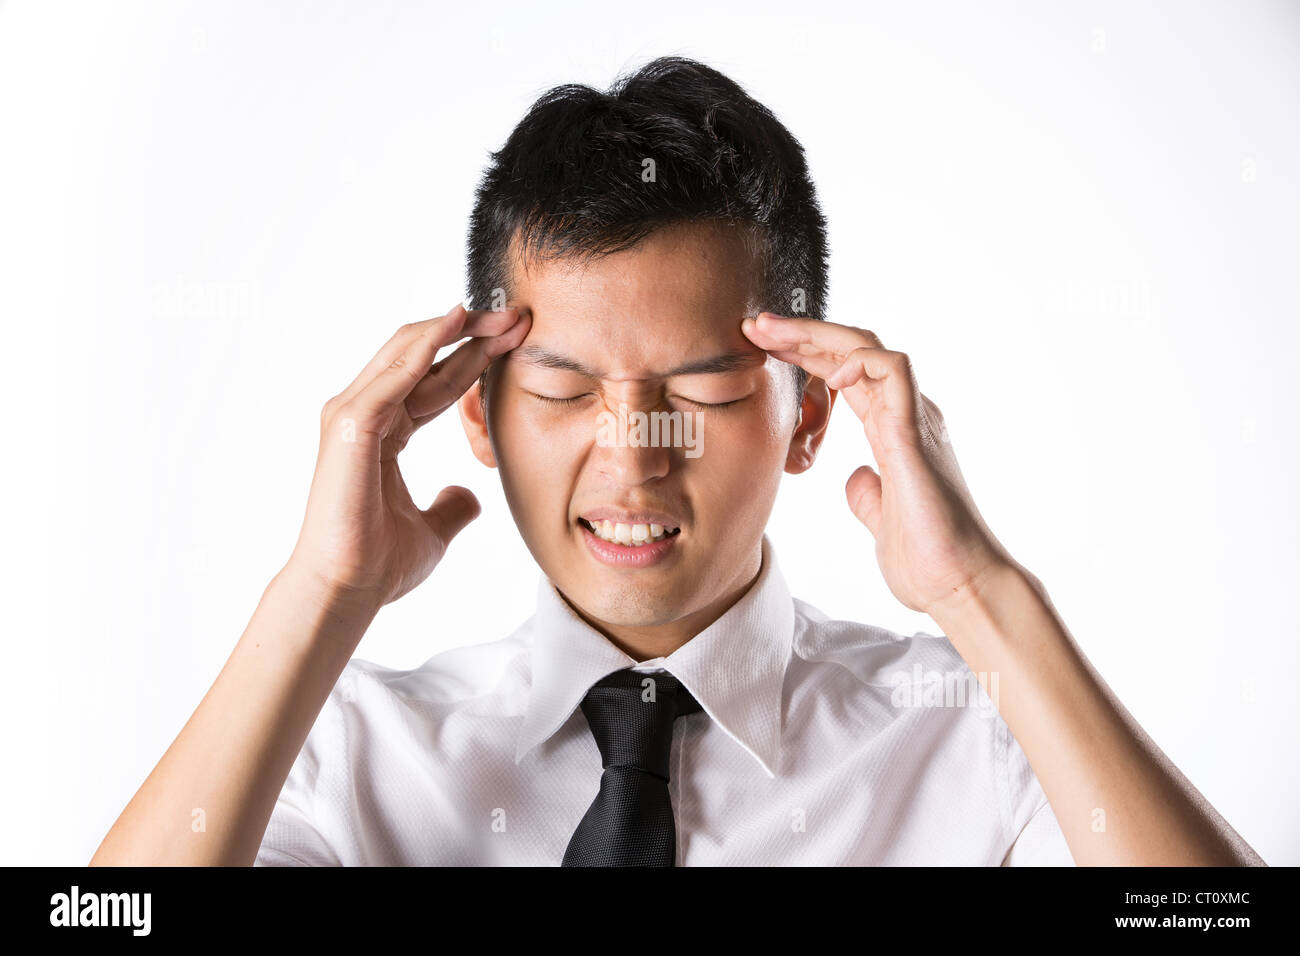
630,823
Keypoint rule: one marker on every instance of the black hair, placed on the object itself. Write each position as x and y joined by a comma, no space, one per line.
572,180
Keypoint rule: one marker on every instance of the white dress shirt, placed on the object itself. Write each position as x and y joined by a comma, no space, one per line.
820,742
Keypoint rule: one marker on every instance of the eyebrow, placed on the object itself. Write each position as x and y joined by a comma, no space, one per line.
543,357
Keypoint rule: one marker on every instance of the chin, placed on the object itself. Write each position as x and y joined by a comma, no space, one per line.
626,605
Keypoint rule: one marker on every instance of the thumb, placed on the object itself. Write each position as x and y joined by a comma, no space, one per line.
863,492
451,511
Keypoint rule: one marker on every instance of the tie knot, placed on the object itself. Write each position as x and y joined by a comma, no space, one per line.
631,714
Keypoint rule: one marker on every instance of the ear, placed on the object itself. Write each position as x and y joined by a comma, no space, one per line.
814,416
475,424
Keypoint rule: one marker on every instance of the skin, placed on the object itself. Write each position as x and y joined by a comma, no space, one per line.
364,542
681,295
630,317
938,556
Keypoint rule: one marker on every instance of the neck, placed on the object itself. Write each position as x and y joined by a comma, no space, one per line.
659,640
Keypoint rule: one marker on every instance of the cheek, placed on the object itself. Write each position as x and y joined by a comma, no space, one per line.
762,429
743,460
535,451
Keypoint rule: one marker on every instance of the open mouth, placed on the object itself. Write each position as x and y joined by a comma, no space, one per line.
629,535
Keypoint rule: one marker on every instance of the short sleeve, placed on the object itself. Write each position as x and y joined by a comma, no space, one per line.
294,836
1040,843
1035,834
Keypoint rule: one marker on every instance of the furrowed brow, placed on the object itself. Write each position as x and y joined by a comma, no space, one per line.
732,361
543,357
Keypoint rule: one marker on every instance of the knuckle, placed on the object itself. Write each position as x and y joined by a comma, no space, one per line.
345,412
357,418
402,364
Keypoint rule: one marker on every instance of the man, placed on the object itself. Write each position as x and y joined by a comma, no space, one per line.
655,256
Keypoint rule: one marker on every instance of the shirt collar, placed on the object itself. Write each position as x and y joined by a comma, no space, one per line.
735,667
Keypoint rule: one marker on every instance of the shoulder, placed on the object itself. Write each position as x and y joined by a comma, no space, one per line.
374,710
875,656
914,687
914,683
487,676
378,721
448,678
372,706
921,678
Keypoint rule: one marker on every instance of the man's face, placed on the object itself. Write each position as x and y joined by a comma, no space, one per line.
625,328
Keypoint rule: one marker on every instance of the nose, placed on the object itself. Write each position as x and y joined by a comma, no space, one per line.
628,447
632,466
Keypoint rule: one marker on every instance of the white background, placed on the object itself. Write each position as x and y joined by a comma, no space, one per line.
1081,221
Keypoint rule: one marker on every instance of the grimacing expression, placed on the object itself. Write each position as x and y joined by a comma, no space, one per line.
634,328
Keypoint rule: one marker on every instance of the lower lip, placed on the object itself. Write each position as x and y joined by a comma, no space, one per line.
623,556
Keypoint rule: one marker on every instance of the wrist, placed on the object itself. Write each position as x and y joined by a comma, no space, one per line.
337,612
982,603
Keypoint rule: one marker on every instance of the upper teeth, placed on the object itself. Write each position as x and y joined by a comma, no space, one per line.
628,534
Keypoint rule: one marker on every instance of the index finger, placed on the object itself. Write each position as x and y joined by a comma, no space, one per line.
474,323
395,383
851,360
452,376
814,335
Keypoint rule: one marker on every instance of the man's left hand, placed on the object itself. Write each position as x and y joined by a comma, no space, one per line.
932,545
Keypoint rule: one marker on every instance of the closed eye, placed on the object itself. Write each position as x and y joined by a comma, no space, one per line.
691,401
551,400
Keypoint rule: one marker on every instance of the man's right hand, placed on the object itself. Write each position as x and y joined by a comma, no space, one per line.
363,539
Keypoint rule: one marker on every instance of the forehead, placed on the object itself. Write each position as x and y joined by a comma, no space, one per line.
681,289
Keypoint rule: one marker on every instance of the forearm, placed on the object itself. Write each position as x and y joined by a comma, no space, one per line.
231,759
1087,750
